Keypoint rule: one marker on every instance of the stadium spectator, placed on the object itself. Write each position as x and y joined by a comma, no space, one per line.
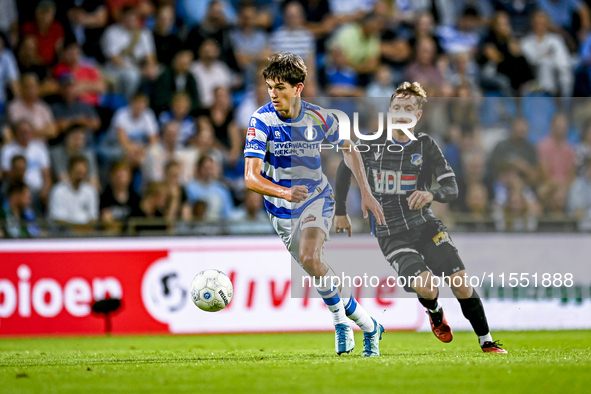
74,201
210,72
341,80
48,32
208,188
37,175
424,69
255,98
206,143
71,111
221,117
583,71
175,78
250,43
424,27
15,174
16,216
548,53
360,42
74,145
517,151
118,200
9,21
396,51
579,197
214,26
553,198
88,79
194,12
30,107
477,201
473,171
130,51
152,206
463,73
320,21
177,205
250,216
583,149
9,74
443,11
520,13
562,14
501,57
293,36
180,113
166,42
462,36
88,19
167,150
516,207
556,156
133,129
29,62
382,84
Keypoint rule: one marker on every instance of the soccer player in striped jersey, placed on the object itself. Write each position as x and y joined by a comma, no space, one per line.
283,163
413,240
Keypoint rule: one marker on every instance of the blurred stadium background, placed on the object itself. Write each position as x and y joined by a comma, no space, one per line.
125,119
122,125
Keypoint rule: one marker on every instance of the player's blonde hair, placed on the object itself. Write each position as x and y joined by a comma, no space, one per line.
415,89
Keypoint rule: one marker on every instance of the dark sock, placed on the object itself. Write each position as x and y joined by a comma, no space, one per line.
474,311
430,305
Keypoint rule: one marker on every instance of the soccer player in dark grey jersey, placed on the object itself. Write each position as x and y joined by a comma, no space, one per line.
413,240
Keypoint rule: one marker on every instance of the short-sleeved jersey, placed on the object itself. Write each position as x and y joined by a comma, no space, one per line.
394,174
290,149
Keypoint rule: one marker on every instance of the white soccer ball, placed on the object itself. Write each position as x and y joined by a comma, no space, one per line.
211,290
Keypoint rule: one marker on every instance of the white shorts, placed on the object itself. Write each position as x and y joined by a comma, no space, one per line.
318,214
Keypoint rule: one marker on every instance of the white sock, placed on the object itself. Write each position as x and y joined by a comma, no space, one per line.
332,298
356,312
485,338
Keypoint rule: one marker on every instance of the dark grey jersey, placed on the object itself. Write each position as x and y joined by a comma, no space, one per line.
395,172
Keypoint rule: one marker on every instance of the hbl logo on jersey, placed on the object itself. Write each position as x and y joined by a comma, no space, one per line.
416,159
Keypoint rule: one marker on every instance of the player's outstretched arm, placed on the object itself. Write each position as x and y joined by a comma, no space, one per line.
257,183
368,202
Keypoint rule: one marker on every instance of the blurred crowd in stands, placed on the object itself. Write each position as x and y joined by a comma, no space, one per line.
130,115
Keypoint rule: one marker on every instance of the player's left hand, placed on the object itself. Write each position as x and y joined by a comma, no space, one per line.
419,199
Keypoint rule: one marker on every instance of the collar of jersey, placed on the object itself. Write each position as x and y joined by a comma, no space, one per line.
401,143
300,116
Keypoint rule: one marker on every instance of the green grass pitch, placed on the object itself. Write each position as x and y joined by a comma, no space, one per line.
548,362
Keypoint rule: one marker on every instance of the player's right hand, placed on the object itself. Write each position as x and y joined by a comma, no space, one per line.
368,202
342,224
297,193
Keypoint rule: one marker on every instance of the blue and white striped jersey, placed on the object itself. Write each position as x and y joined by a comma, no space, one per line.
291,153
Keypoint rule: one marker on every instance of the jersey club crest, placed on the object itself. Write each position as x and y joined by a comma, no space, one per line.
416,159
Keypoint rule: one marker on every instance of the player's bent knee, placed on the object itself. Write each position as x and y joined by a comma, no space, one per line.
426,292
462,292
312,264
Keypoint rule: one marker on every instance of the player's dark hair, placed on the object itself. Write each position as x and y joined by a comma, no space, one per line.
286,67
76,160
407,89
